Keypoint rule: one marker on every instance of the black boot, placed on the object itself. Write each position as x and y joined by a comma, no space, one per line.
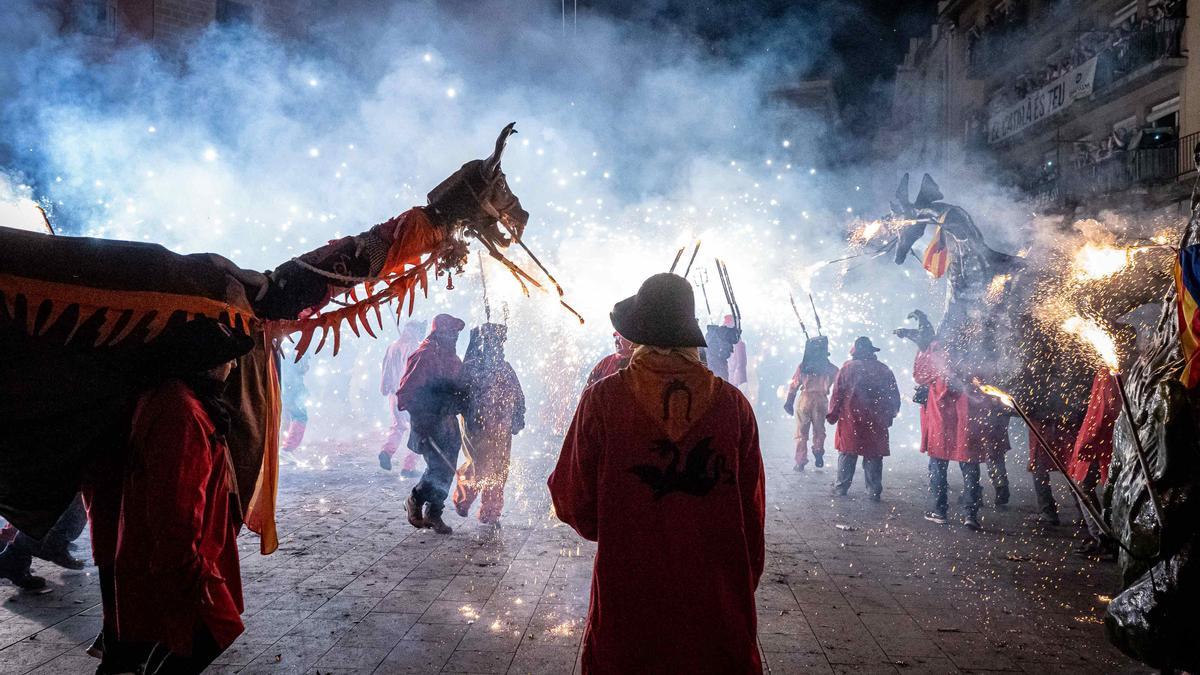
434,519
414,506
819,458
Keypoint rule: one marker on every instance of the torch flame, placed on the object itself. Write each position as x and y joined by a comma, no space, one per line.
1097,261
1096,337
996,392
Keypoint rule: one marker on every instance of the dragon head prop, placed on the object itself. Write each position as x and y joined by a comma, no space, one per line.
477,199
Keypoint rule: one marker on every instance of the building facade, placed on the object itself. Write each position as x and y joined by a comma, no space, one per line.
1084,104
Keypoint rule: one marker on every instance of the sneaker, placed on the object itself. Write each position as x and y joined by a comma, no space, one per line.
818,459
838,492
972,522
434,520
935,517
413,506
1048,518
875,497
385,461
24,580
1002,499
799,468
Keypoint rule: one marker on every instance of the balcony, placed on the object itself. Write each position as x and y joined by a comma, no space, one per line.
1120,62
1122,171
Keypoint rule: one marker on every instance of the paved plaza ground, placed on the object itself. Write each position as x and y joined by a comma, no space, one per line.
851,586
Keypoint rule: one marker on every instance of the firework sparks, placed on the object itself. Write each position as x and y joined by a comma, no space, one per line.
1096,337
995,289
996,393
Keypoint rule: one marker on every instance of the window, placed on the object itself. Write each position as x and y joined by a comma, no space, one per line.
97,17
231,13
1165,114
1126,12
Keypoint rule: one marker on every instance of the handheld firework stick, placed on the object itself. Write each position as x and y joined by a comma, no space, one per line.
557,286
702,277
1084,499
727,287
693,259
487,307
797,311
815,314
1105,347
675,263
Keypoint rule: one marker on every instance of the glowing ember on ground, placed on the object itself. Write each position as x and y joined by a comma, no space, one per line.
564,629
1096,337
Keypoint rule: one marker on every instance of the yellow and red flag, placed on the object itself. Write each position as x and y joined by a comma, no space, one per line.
937,257
1187,290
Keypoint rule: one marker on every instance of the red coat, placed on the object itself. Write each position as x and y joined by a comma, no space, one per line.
176,552
680,551
607,366
864,401
433,370
954,425
1094,444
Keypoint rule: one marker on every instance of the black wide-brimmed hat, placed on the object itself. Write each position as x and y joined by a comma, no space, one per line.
196,346
864,346
662,314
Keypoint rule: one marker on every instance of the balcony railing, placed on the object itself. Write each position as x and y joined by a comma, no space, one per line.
1124,170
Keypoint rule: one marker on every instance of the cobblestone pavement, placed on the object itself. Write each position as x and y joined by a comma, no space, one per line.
850,585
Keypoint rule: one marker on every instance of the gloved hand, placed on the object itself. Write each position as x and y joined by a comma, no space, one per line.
921,394
831,418
789,408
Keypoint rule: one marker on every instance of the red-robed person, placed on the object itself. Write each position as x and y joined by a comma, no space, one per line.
613,362
946,434
864,402
433,394
176,579
661,467
1094,445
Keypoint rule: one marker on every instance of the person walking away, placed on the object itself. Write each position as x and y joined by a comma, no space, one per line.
395,361
945,435
495,413
432,393
177,581
864,402
294,393
661,467
613,362
738,361
812,380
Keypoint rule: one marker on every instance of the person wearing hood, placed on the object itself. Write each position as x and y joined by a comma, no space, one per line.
661,467
495,413
812,380
166,521
394,364
613,362
864,402
432,393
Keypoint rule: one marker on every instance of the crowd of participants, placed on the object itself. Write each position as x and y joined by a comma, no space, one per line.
661,465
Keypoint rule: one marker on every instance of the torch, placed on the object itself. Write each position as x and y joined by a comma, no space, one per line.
1104,345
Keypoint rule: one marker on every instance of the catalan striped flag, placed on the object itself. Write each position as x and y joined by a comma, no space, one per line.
1187,290
937,257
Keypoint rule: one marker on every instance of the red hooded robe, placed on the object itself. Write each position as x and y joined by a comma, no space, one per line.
680,550
865,400
1094,444
176,549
